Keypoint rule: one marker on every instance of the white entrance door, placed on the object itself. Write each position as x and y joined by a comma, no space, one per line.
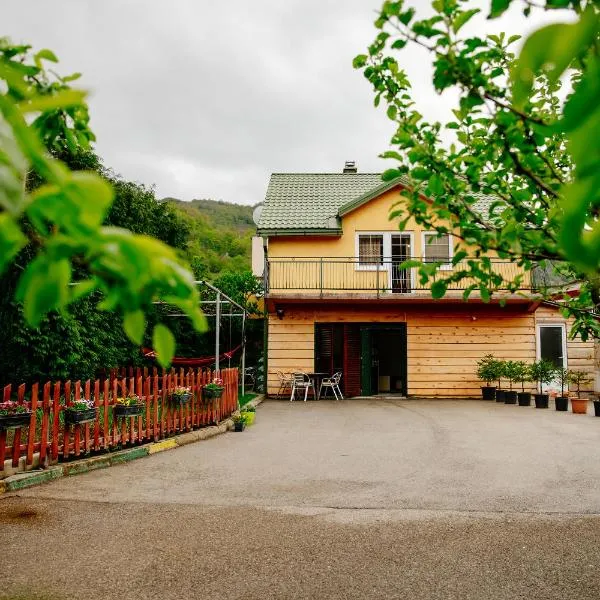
552,346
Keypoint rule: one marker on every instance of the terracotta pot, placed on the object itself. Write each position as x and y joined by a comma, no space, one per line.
579,406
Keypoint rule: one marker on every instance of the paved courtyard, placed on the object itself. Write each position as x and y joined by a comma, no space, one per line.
355,499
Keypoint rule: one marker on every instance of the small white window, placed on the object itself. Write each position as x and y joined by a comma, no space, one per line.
370,249
436,248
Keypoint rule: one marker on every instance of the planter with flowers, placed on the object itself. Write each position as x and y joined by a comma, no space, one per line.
579,405
249,414
239,422
81,411
181,395
13,414
132,406
213,390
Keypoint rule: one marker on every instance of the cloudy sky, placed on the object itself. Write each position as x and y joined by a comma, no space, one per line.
205,98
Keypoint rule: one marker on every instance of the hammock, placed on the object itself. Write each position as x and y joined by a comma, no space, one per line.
193,362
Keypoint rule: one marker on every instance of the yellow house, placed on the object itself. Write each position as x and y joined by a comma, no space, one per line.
337,299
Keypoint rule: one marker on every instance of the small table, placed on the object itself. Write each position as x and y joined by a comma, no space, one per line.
316,379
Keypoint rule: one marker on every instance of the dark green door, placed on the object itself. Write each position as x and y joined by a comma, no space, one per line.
366,361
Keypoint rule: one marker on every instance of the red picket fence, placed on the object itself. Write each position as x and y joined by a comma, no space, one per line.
48,435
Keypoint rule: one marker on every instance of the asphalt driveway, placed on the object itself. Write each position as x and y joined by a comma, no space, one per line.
355,499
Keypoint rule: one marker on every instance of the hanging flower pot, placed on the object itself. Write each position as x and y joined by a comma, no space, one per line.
80,412
213,390
181,396
128,407
13,415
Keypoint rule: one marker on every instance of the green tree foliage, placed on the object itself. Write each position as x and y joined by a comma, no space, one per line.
220,236
516,141
61,220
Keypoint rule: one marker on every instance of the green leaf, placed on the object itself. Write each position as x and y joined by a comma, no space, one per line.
390,174
44,54
436,185
164,345
134,324
11,240
462,18
499,7
359,61
552,49
392,111
438,289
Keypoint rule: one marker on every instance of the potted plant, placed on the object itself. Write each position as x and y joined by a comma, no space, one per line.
214,389
13,414
512,370
487,369
81,411
562,402
597,406
523,374
500,373
239,422
579,405
131,406
249,414
181,395
542,371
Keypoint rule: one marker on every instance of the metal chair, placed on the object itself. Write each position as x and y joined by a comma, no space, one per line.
285,383
250,378
333,383
301,381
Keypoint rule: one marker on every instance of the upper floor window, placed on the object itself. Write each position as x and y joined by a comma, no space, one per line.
436,248
370,249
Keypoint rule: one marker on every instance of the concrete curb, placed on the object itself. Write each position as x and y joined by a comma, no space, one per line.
21,481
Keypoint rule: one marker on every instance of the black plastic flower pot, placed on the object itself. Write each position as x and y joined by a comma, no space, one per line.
121,411
561,403
524,398
212,393
14,421
510,397
488,392
180,399
597,408
541,400
500,395
240,425
77,417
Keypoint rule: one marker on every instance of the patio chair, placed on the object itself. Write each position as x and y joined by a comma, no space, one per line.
250,378
301,381
333,383
285,383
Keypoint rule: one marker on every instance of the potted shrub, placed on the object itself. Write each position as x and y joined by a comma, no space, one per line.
512,370
579,405
13,414
597,406
500,373
213,390
181,395
487,369
562,402
522,375
249,415
131,406
81,411
542,371
239,422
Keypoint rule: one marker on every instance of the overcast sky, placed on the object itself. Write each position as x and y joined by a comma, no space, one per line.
205,98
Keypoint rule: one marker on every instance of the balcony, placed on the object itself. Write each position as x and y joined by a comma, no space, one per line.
347,277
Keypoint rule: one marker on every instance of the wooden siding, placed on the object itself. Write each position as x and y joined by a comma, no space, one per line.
444,342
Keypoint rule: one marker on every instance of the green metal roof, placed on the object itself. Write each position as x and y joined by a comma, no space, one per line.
313,203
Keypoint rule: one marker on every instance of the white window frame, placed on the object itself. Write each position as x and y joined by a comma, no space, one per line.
443,266
538,351
538,340
387,249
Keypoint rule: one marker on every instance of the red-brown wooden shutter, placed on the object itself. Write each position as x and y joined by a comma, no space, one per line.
351,376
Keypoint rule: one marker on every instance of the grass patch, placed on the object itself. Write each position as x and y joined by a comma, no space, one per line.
246,398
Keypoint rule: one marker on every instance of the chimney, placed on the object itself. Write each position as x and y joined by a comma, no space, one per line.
350,167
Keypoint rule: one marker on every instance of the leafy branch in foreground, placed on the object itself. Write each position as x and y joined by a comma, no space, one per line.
520,178
63,218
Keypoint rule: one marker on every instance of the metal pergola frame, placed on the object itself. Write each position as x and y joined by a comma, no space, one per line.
222,298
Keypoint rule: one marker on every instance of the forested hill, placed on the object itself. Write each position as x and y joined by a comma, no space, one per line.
220,235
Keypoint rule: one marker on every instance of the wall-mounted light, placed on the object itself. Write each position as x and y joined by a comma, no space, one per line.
279,312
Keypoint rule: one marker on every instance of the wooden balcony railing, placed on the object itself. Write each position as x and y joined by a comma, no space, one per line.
347,275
